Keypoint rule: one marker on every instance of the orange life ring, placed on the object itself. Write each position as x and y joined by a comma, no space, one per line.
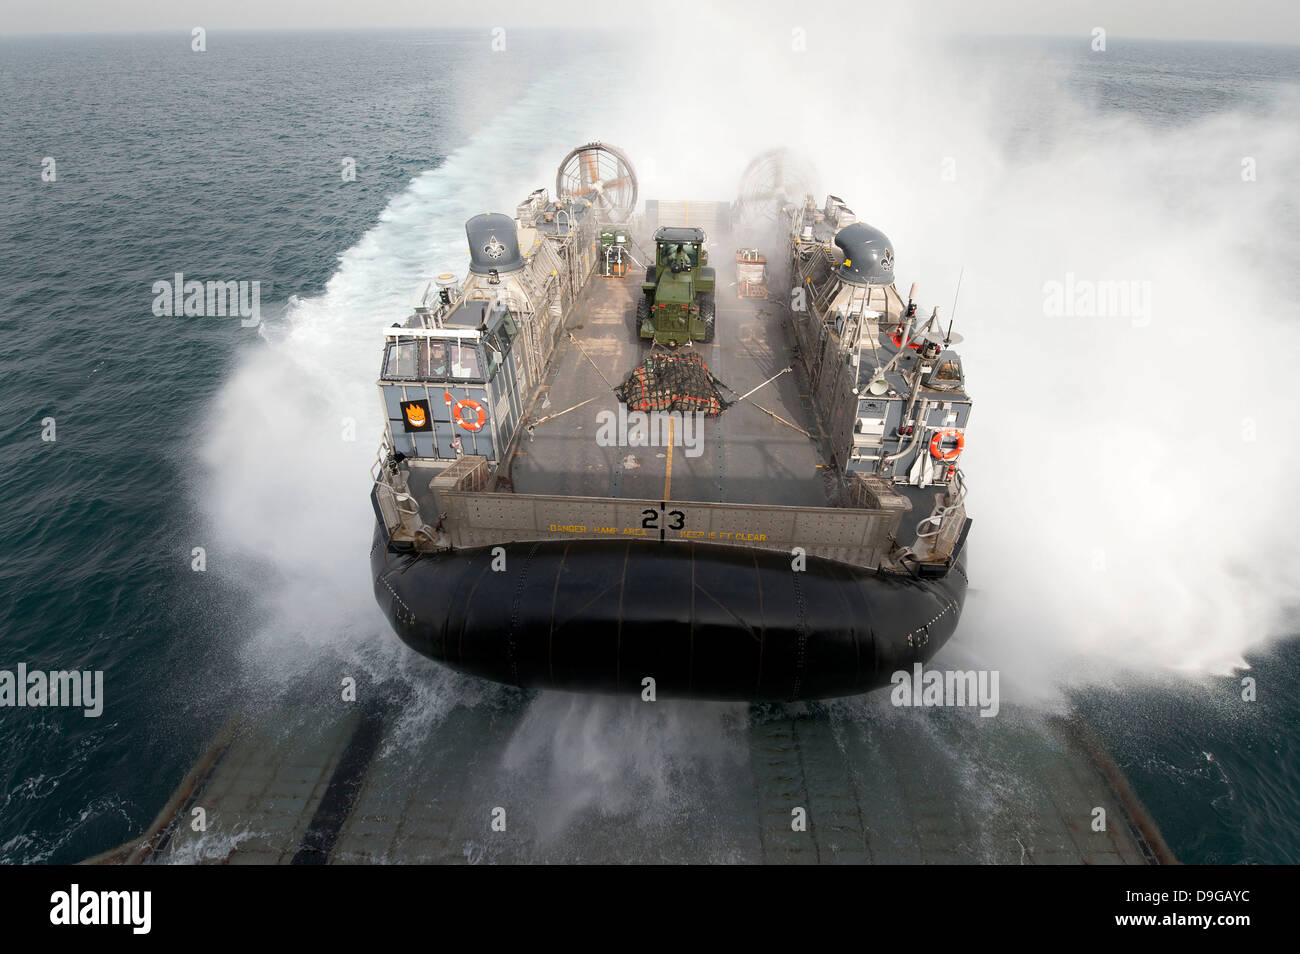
473,406
937,442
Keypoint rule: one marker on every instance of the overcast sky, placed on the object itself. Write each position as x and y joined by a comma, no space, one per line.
1276,21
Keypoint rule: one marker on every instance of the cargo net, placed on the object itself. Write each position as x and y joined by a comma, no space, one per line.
672,382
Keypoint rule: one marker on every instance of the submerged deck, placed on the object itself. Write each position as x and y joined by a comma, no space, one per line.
591,779
746,456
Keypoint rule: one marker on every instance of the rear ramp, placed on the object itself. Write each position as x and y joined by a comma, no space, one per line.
582,779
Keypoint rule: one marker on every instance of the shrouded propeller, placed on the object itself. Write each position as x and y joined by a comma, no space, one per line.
772,179
602,175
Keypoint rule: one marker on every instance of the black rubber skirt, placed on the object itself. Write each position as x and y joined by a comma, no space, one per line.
705,622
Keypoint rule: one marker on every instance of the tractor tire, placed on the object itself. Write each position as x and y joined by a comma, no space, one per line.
708,313
642,315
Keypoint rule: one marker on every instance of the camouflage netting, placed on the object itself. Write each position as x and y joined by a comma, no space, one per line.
672,382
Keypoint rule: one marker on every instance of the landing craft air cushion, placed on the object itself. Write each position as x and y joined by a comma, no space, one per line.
491,401
814,548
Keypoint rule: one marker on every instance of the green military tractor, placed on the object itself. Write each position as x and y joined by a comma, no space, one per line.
676,304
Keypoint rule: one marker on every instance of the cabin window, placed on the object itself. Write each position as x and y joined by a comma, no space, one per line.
435,360
497,340
494,355
464,361
425,360
672,251
402,360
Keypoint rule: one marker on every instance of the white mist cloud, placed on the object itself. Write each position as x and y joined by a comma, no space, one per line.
1128,474
621,756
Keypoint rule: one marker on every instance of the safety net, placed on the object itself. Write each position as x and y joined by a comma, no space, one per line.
672,382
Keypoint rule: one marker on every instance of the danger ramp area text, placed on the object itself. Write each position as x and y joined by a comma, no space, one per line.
578,529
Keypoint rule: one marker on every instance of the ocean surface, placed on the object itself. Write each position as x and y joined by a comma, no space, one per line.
254,444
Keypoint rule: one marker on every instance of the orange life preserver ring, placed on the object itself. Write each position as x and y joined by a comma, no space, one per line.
937,442
473,406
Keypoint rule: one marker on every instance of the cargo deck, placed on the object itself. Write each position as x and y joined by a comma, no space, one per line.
768,450
748,456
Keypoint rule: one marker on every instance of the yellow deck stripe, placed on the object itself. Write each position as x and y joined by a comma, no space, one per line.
668,474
